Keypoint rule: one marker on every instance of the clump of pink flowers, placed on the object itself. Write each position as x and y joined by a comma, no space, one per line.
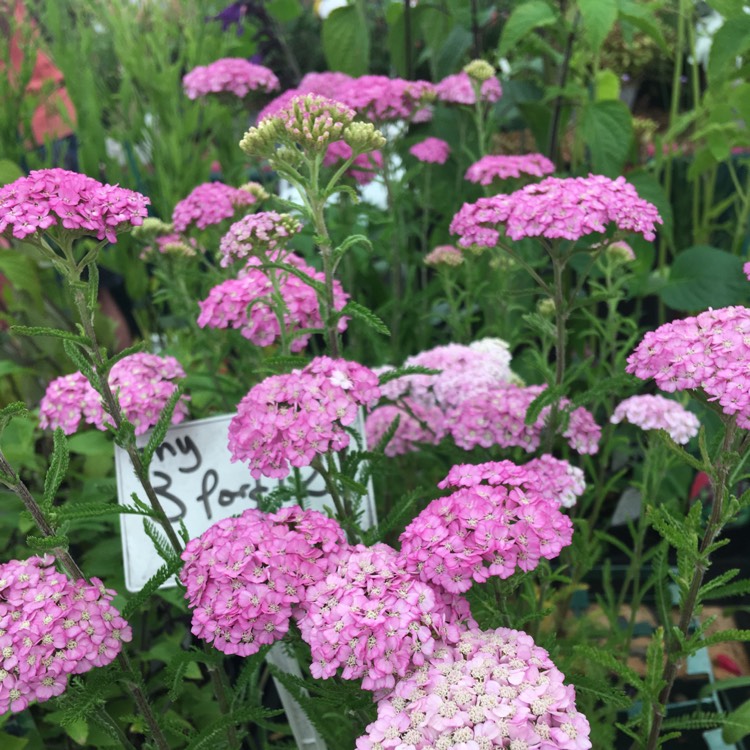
431,151
233,75
374,621
708,352
497,520
363,167
247,577
458,89
444,255
658,413
257,234
314,121
208,204
492,689
142,383
507,166
746,270
287,420
383,99
70,201
247,303
51,627
557,208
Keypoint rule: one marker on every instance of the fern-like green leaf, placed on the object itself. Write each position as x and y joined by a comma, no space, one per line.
47,543
159,540
159,431
161,576
58,468
609,661
364,314
400,372
209,738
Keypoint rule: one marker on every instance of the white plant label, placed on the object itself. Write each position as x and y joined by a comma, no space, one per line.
198,485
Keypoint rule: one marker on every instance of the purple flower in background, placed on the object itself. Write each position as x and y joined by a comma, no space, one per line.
233,13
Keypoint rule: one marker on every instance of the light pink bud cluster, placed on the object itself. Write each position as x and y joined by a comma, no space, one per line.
496,522
709,352
247,302
233,75
374,621
363,168
257,234
658,413
504,167
314,122
458,89
431,151
142,383
555,208
51,627
208,204
171,244
247,577
287,420
68,200
444,255
492,689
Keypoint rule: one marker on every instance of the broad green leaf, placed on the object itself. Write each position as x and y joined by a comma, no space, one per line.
599,17
523,20
606,86
9,171
703,276
284,10
607,129
22,273
452,52
729,42
346,41
90,443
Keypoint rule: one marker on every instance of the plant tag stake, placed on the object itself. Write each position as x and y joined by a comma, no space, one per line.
198,485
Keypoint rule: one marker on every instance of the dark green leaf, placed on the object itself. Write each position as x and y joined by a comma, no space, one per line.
599,17
346,41
522,21
607,130
161,427
360,312
58,467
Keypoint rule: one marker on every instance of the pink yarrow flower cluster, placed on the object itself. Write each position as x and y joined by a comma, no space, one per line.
709,352
431,151
444,255
287,420
233,75
497,524
68,200
246,303
247,577
208,204
363,168
492,689
458,89
51,627
142,383
257,234
504,167
658,413
569,208
374,621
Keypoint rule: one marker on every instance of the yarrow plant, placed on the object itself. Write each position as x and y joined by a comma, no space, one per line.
364,167
503,167
257,235
658,413
51,628
208,204
233,75
459,89
431,151
142,383
444,255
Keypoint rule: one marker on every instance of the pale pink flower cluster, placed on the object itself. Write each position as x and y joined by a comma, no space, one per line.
142,383
368,164
493,689
658,413
247,303
444,255
247,577
709,351
492,526
506,166
51,627
568,208
431,151
209,203
257,234
375,621
314,121
68,200
233,75
287,420
458,89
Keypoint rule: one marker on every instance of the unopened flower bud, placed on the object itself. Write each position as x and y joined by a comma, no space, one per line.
261,140
255,189
546,307
363,137
151,228
314,122
479,70
620,252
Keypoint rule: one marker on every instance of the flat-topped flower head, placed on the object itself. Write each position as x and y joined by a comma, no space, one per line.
313,122
459,89
287,420
710,352
569,208
246,577
384,99
232,75
504,167
245,303
209,204
431,151
70,201
257,235
490,690
444,255
51,627
658,413
62,404
479,70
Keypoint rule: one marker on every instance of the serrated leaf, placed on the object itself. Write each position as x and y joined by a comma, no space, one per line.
47,543
345,40
400,372
162,575
318,286
77,511
47,331
58,468
599,17
607,130
207,739
160,542
522,21
360,312
161,427
550,395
